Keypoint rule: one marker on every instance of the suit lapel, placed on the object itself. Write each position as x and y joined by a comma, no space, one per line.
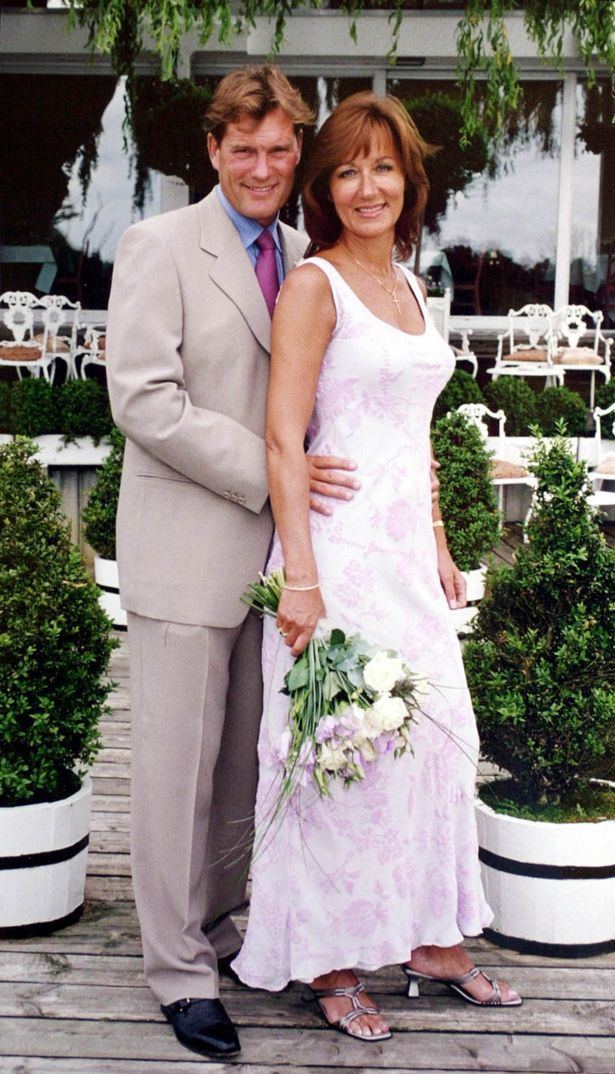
232,270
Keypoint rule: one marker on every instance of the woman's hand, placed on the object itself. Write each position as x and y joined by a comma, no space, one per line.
451,578
298,614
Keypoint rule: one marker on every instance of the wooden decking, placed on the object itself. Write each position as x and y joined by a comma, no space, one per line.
76,1002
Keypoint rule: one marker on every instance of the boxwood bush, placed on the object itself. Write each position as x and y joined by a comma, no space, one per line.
99,514
555,404
33,407
467,496
84,410
605,395
5,394
461,388
541,660
54,640
514,396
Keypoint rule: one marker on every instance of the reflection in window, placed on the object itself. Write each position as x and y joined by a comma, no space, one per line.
494,229
70,191
592,266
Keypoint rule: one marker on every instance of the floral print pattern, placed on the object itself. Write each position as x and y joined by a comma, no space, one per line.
363,878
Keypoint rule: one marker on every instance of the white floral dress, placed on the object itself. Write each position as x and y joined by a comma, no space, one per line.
362,879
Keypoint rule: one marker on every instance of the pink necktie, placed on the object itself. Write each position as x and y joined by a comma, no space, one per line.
266,269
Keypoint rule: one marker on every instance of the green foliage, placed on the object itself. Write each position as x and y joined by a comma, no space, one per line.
84,410
5,402
461,388
483,47
541,661
33,407
514,396
467,497
101,510
555,404
122,29
54,640
605,396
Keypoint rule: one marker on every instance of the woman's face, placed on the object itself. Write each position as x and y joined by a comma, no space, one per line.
368,191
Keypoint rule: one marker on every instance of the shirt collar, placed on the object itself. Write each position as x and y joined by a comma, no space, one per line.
248,229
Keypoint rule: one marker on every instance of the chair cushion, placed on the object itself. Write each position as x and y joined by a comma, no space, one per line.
100,346
61,345
607,466
503,468
577,356
20,352
530,354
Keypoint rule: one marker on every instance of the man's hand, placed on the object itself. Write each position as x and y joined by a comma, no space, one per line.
451,578
330,477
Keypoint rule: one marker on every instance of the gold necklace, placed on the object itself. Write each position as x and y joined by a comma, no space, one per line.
391,292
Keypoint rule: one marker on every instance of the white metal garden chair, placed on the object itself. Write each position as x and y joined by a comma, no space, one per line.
604,468
439,307
22,350
526,348
56,316
504,472
570,325
93,349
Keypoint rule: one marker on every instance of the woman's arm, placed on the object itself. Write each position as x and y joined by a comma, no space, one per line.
451,578
303,321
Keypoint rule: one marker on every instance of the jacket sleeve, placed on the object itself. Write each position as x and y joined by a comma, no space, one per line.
145,375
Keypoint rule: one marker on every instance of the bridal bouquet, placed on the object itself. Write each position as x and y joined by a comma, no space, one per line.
349,703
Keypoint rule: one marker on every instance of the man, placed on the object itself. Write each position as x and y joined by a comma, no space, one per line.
187,343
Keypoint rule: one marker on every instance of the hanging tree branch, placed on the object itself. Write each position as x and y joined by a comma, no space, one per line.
121,29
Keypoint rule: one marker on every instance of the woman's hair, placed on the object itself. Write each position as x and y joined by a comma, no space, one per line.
348,133
254,91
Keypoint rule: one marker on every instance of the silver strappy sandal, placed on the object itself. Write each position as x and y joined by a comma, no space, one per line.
352,992
457,983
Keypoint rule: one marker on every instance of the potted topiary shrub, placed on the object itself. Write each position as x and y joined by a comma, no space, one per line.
99,529
54,649
514,396
468,502
541,670
560,404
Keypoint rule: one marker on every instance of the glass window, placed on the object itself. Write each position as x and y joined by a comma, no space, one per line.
492,221
592,263
74,184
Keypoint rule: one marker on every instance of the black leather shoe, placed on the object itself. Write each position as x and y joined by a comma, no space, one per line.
226,970
203,1026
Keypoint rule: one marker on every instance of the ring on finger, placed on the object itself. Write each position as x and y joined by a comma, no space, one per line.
282,633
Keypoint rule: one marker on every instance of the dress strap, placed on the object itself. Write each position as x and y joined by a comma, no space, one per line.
416,290
336,282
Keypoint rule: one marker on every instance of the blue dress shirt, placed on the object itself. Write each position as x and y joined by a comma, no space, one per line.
249,230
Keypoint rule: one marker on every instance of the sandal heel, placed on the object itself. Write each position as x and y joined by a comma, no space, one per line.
412,991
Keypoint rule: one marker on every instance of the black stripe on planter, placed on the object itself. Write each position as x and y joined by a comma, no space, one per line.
545,872
552,950
44,927
46,857
109,589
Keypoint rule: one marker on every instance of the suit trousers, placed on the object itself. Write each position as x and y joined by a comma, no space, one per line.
196,708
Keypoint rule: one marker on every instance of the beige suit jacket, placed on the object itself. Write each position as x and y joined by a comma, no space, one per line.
187,364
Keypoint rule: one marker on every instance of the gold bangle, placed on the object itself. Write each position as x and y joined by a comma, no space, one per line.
301,588
438,522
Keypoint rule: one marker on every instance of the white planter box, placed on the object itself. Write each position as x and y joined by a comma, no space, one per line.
551,886
106,577
53,452
48,844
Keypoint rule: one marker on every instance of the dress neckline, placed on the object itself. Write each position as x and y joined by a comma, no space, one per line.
380,320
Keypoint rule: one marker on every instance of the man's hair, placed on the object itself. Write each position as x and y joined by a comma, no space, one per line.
255,91
347,133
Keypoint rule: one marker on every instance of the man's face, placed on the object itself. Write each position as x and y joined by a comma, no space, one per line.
256,162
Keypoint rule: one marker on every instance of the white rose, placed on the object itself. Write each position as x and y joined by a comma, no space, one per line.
387,714
382,672
331,758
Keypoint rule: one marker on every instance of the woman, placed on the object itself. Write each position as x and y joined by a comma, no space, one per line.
385,871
